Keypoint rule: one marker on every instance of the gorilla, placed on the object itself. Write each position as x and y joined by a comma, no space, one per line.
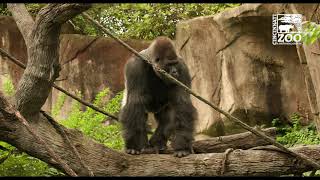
146,90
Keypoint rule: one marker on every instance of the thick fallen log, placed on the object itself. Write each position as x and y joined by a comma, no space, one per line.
238,163
243,141
107,162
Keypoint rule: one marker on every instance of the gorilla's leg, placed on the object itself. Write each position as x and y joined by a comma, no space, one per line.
159,139
184,125
133,118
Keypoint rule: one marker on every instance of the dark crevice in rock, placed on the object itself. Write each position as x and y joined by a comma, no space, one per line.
82,50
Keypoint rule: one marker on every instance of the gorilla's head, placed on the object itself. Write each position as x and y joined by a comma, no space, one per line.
164,56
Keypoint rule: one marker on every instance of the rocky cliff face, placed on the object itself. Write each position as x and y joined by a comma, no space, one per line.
234,65
11,41
310,58
89,64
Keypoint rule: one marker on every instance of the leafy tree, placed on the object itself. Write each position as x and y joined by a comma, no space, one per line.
145,21
33,8
3,9
90,122
311,32
296,134
136,20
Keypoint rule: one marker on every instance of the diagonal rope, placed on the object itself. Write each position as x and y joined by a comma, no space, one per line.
226,114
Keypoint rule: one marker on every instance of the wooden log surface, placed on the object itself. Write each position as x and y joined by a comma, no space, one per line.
219,144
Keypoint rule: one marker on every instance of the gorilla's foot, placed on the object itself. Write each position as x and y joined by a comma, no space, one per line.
133,151
181,153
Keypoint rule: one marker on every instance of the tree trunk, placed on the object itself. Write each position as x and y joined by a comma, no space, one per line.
42,40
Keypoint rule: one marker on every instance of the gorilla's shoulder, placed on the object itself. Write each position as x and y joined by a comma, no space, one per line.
135,63
136,66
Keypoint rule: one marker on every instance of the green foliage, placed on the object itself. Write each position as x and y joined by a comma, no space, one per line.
3,9
91,124
8,87
296,134
33,8
58,105
114,104
145,20
136,20
21,164
311,32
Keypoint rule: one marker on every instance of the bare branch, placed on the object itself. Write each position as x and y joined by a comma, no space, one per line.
60,13
23,19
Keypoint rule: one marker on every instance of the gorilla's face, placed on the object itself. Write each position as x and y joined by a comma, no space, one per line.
168,64
167,60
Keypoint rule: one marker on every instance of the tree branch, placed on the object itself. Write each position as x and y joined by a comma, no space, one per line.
60,13
65,167
23,19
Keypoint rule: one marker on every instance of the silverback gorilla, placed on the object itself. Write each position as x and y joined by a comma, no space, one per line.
146,90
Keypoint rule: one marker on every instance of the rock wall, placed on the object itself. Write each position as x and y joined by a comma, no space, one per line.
12,41
89,64
310,58
234,65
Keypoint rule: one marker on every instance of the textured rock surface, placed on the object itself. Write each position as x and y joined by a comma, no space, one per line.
310,58
234,65
89,64
11,41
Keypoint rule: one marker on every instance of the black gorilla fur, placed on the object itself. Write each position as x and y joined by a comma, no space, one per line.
147,91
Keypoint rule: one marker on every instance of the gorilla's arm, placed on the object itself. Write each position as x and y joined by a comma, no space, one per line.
133,114
185,115
185,77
